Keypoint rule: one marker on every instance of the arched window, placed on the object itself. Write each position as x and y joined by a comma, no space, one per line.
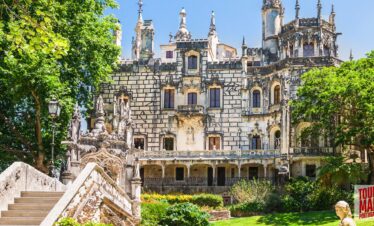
277,94
277,139
256,142
308,50
192,62
256,96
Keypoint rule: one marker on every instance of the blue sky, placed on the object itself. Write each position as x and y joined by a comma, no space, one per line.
238,18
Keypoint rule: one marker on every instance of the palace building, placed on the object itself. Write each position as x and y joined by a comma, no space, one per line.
205,115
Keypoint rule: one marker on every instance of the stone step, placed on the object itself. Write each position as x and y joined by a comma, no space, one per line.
36,200
21,220
31,206
23,213
41,194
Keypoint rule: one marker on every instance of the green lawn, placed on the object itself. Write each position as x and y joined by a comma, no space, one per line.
325,218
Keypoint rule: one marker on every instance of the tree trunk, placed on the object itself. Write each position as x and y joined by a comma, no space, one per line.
40,157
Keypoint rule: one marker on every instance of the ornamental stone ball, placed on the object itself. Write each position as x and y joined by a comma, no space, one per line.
343,211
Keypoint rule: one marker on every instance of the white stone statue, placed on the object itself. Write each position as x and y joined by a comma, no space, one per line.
75,125
100,105
344,213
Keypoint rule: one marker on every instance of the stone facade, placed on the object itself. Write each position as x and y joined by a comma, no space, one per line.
203,118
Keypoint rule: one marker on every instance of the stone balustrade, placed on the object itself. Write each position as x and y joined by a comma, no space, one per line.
23,177
311,151
84,198
208,154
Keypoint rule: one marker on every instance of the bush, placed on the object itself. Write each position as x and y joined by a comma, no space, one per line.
153,212
73,222
251,191
185,214
325,198
247,209
210,200
273,203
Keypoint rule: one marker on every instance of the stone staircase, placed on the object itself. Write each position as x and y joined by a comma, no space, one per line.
30,209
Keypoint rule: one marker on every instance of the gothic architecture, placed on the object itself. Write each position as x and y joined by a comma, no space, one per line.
206,116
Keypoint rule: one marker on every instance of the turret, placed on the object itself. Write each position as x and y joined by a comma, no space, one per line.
319,9
137,43
297,9
332,17
272,14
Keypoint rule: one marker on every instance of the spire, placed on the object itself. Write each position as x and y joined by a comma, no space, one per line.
319,9
332,15
351,55
244,47
297,9
140,11
138,31
183,33
212,28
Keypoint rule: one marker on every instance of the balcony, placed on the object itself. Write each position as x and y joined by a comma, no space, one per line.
308,151
252,111
198,181
191,109
208,155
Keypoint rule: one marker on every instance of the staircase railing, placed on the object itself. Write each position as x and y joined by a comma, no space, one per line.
23,177
91,177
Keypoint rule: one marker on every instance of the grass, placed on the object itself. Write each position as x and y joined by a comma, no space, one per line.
323,218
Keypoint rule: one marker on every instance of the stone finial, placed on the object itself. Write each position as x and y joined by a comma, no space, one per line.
297,9
212,28
351,58
244,47
99,106
332,15
183,33
319,9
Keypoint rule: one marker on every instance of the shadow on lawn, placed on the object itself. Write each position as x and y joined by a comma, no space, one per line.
310,218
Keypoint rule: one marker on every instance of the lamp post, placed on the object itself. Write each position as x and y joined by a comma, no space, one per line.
54,111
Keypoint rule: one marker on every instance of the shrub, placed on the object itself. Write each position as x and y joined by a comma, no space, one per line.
325,198
273,203
251,191
184,214
73,222
210,200
247,209
172,199
297,195
153,212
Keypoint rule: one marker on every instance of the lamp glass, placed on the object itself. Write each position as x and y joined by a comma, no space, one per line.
54,108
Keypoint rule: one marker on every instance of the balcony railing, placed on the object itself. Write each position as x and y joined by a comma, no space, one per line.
308,151
198,181
191,109
207,154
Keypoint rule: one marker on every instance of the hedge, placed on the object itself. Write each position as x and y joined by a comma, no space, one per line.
209,200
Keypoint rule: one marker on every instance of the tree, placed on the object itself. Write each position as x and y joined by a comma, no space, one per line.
339,104
49,48
337,172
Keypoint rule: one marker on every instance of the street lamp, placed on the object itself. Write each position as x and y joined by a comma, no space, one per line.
54,111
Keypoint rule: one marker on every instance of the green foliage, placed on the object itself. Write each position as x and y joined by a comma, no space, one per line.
153,212
73,222
61,49
339,103
184,214
297,195
247,209
251,191
273,203
337,172
326,198
210,200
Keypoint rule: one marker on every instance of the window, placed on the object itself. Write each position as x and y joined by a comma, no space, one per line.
179,174
232,172
215,97
192,62
169,143
214,143
291,51
256,142
139,143
256,99
169,98
277,139
192,98
326,51
169,54
308,50
310,170
252,173
277,94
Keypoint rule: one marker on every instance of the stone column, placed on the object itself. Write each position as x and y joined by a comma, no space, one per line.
239,170
163,171
136,186
188,170
214,174
265,170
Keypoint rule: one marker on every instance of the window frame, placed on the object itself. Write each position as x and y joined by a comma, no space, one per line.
165,145
169,54
169,98
215,97
193,99
214,143
277,94
192,63
256,142
256,102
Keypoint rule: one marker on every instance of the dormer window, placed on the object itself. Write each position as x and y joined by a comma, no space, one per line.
192,62
192,98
